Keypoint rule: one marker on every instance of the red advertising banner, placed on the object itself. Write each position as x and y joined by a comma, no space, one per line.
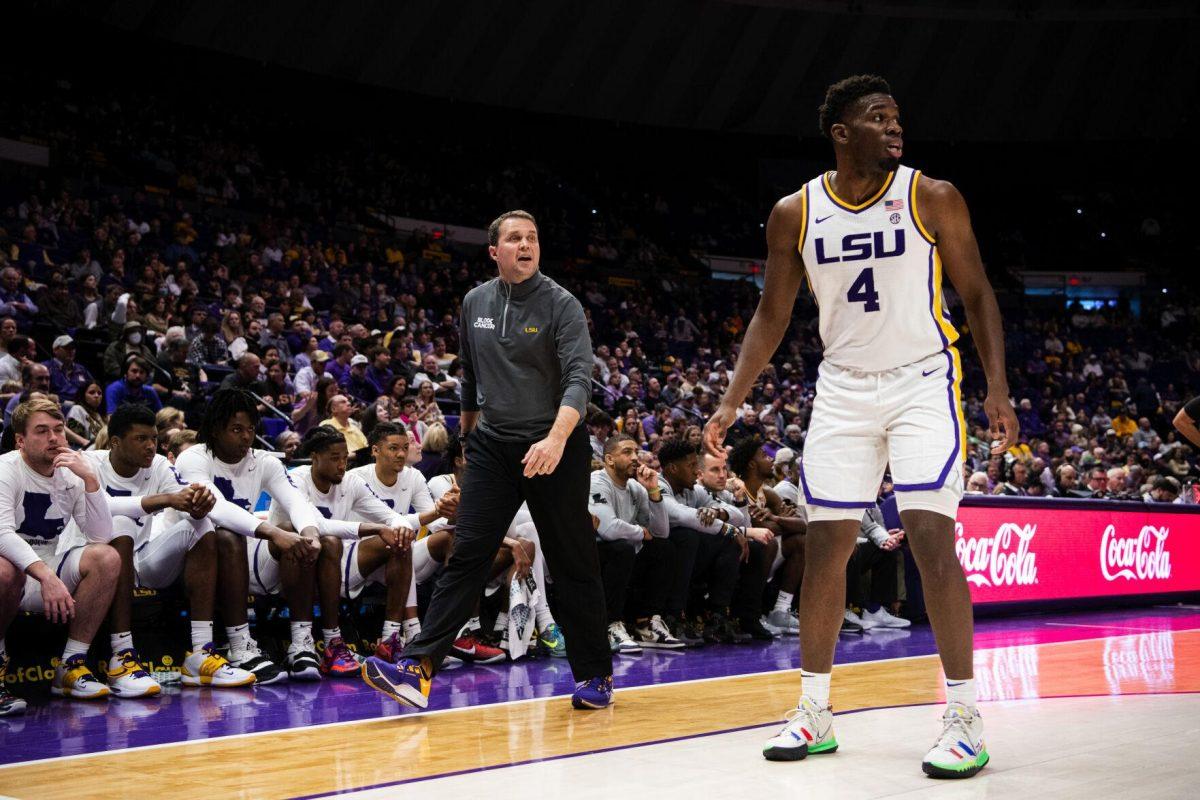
1029,551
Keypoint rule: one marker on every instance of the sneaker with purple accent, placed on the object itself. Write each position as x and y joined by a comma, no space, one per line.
593,693
339,660
389,649
406,681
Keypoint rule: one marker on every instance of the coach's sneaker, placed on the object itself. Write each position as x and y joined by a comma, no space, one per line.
339,660
207,667
72,678
882,618
620,642
127,679
960,751
782,620
809,730
553,641
406,681
653,633
593,693
469,647
302,661
251,659
10,704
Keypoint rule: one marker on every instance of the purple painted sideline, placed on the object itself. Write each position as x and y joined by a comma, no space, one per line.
456,773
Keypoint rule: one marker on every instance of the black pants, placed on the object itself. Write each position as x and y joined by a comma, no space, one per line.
492,491
653,574
715,572
752,581
617,559
881,564
686,542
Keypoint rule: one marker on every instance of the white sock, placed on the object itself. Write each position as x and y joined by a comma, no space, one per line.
815,685
961,692
239,637
3,652
412,629
784,601
121,641
501,621
301,632
75,648
390,626
202,634
329,634
544,618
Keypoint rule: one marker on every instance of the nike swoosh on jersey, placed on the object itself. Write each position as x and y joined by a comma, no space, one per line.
925,374
819,220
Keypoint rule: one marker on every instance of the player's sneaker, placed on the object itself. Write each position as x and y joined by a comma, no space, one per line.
653,633
127,679
469,647
882,618
553,641
620,642
389,649
854,619
593,693
782,620
960,751
10,704
681,630
405,681
207,667
302,661
757,630
72,678
809,730
339,660
719,629
251,659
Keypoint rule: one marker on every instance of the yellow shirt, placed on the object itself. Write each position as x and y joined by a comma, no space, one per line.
1124,426
355,438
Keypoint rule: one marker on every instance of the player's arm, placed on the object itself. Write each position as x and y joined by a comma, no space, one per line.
423,504
1185,421
780,522
611,527
943,211
784,274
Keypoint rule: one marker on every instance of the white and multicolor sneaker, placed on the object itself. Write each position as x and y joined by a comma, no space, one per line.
72,678
620,642
783,621
303,663
882,618
960,751
653,633
249,657
207,667
127,679
809,730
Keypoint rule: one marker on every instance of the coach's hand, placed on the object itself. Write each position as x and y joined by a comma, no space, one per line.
714,431
1002,421
57,602
543,456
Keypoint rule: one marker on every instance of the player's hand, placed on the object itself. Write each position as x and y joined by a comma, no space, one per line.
760,535
1002,421
714,431
399,538
447,504
890,543
543,456
736,488
646,534
707,516
647,478
897,532
296,548
203,501
57,603
74,461
759,515
743,541
522,563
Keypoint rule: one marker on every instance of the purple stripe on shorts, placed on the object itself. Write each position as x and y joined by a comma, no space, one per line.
813,501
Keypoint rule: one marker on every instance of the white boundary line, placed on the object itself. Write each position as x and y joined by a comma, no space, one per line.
422,714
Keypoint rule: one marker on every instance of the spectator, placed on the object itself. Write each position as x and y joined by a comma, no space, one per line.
208,346
21,350
60,309
340,420
67,376
35,377
444,385
434,448
1017,484
274,336
14,301
245,375
307,377
132,388
131,343
355,382
233,333
287,443
977,483
339,366
1165,489
379,372
88,416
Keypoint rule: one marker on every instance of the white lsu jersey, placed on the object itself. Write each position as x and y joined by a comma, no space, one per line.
410,491
241,484
160,477
876,275
341,508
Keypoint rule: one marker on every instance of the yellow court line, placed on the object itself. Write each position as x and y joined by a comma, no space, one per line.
308,761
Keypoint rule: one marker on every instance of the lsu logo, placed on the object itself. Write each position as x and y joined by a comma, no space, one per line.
862,246
486,323
531,329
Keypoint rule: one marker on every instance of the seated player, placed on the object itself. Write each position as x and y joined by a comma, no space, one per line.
757,556
750,463
140,483
43,484
283,561
376,549
636,557
876,556
522,530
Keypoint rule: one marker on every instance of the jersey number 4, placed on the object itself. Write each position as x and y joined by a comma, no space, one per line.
863,290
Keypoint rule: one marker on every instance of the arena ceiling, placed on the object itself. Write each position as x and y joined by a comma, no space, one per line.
962,71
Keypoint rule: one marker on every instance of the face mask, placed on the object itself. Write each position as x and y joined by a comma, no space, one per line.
134,338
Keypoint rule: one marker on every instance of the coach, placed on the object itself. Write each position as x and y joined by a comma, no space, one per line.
527,363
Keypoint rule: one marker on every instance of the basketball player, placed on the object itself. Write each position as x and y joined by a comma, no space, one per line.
872,238
377,541
44,483
225,461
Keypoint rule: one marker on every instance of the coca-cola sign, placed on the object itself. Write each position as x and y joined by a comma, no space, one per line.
1030,551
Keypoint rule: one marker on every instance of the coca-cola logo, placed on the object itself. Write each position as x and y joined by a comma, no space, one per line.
1143,557
1000,560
